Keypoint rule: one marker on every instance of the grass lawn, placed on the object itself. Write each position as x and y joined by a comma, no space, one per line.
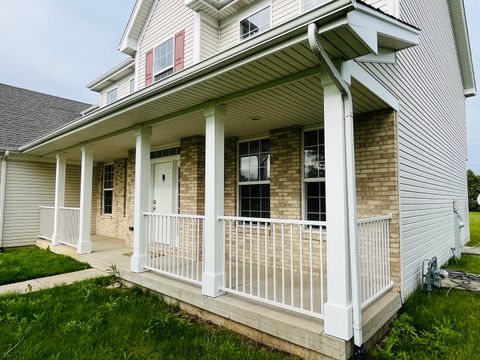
88,320
437,325
27,263
474,229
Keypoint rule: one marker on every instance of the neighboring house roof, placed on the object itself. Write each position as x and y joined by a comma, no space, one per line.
26,115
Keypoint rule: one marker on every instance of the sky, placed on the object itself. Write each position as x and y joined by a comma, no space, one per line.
61,45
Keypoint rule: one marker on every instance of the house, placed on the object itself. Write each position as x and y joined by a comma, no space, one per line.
27,182
280,167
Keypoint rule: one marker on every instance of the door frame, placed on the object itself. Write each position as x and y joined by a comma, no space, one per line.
175,161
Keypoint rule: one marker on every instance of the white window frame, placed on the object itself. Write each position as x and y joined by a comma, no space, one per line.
107,189
131,84
161,71
304,180
251,13
109,92
243,183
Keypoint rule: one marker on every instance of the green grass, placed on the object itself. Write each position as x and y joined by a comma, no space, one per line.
27,263
468,263
474,229
439,325
87,320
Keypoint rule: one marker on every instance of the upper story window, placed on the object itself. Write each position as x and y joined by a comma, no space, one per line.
112,96
132,86
254,178
163,60
308,5
107,189
314,175
255,24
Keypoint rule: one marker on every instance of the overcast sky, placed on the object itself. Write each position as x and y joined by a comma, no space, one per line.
58,46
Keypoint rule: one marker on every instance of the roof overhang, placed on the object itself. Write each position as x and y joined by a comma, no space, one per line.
123,69
218,9
347,31
460,30
136,23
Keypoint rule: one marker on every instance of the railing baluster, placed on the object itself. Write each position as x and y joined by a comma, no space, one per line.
274,234
310,245
266,261
258,258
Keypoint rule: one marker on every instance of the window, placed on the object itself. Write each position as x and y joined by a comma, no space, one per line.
132,86
314,175
107,188
163,60
165,152
254,178
255,24
308,5
111,96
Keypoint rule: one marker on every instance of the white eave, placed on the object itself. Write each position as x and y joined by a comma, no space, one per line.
218,9
347,31
136,23
460,30
123,69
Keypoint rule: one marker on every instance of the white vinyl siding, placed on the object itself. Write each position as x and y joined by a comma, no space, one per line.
284,10
167,19
209,39
30,185
123,89
432,139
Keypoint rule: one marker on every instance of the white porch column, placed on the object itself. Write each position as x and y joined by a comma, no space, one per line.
214,164
59,199
338,309
84,245
142,188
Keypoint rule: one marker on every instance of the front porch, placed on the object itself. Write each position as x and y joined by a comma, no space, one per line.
288,331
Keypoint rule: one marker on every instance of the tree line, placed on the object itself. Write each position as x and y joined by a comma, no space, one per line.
473,190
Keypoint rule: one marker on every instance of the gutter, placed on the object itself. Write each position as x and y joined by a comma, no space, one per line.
3,186
336,77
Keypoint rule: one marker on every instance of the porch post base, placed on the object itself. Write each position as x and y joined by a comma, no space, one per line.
138,263
338,321
84,247
57,238
211,284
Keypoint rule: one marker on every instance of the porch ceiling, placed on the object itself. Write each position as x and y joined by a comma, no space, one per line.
276,75
297,103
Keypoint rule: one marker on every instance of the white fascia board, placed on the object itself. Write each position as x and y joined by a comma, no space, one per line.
352,69
384,56
112,75
364,20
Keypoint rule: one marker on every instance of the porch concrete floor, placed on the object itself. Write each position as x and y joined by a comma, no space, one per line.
289,331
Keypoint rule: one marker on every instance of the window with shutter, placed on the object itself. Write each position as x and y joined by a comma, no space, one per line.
149,67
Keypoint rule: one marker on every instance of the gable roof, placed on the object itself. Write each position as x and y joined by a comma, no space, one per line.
460,30
26,115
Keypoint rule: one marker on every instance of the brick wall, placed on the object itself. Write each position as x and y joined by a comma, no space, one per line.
377,174
192,175
230,170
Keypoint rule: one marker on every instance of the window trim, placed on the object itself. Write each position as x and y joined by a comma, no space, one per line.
253,11
106,189
237,164
115,88
309,180
130,82
154,72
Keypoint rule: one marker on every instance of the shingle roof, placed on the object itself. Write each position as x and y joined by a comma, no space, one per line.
26,115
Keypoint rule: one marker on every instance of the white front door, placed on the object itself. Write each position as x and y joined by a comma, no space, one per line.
163,188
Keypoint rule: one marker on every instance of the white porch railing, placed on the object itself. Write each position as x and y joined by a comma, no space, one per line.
374,237
280,262
47,214
175,245
69,224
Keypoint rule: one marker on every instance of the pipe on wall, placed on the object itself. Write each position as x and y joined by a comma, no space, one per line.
337,79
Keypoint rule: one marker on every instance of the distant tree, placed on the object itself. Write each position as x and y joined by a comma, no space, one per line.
473,181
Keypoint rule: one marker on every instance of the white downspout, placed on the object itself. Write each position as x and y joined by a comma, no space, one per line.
3,180
342,86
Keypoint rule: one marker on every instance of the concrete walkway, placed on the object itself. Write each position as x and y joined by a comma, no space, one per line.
50,281
471,250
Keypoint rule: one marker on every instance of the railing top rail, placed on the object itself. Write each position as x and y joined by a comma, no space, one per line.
69,208
274,221
184,216
376,218
46,207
